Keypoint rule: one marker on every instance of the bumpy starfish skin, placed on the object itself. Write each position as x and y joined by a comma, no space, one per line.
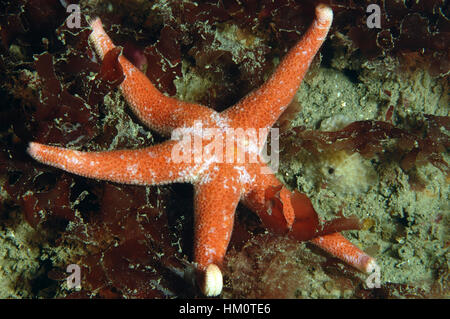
219,184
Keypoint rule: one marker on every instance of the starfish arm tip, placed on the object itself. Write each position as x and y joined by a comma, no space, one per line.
324,14
33,149
99,38
97,27
213,281
93,21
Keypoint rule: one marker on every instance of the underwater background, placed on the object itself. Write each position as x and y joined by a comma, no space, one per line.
367,136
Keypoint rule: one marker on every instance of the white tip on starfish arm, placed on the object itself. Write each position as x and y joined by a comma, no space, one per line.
324,14
213,281
33,149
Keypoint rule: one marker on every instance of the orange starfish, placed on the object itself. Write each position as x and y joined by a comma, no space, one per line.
219,183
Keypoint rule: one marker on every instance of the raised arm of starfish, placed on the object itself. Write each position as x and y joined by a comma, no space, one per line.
219,184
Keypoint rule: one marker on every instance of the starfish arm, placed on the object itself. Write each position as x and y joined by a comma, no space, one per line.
263,107
156,110
295,215
147,166
215,203
215,206
340,247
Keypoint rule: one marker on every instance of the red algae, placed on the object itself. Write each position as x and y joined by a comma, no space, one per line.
423,143
306,224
